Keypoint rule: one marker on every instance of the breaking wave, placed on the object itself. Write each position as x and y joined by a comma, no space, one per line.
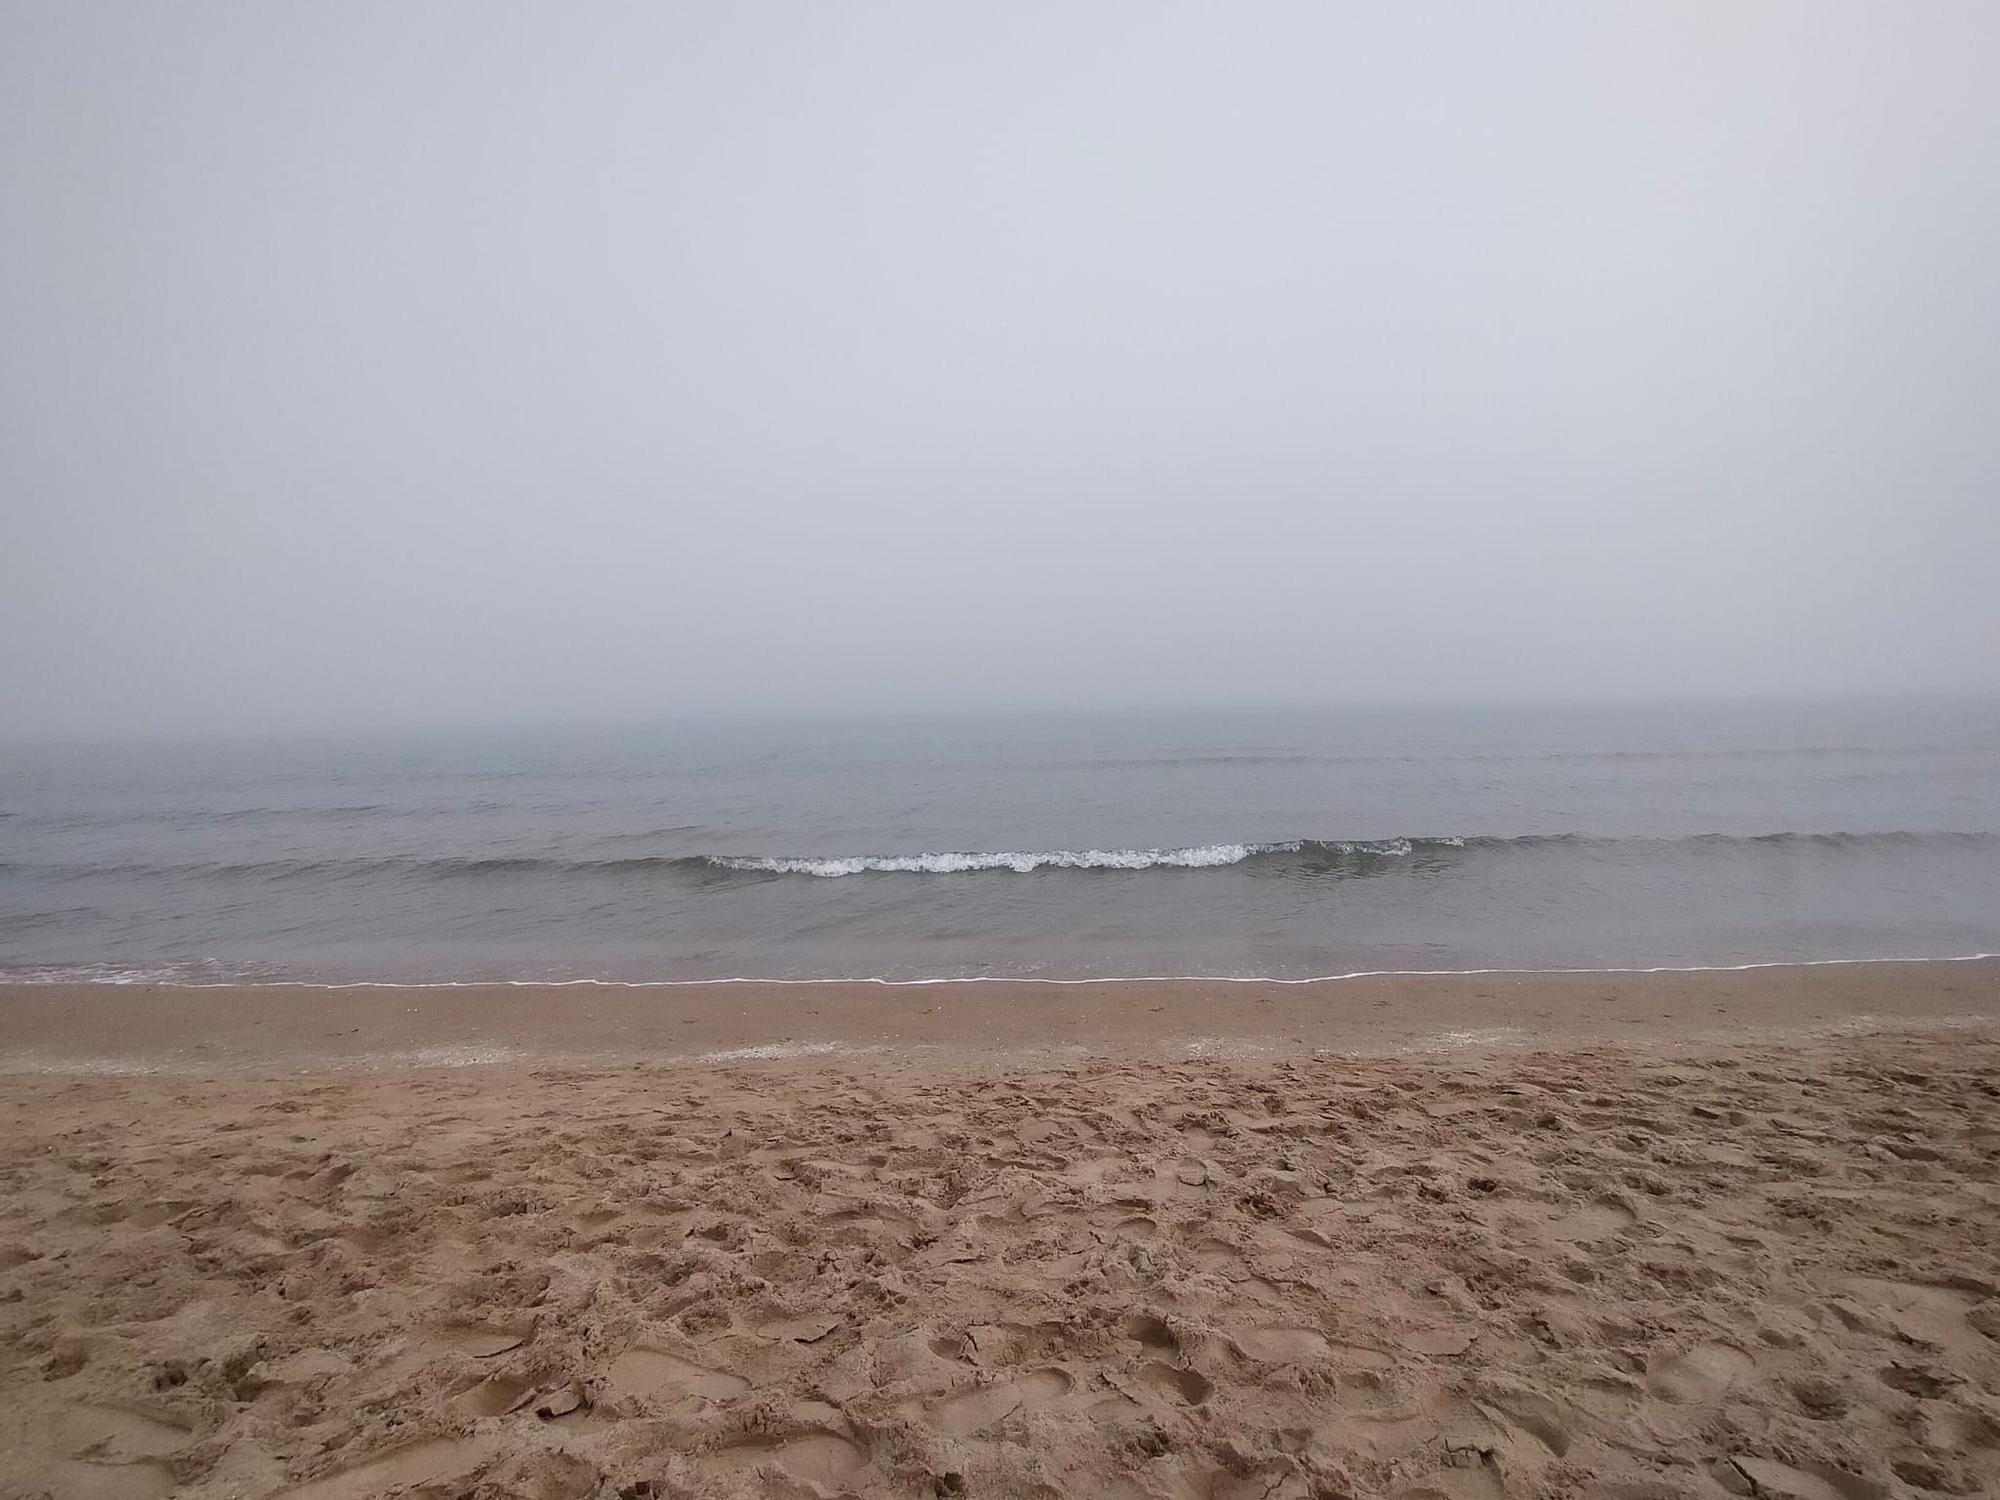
1308,855
1197,857
1311,853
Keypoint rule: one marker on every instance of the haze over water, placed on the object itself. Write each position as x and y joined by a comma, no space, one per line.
1282,844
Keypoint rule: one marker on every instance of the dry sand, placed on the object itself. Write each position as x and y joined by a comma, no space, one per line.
1675,1235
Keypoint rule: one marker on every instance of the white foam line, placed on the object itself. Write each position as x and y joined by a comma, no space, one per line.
779,1051
667,984
1466,1041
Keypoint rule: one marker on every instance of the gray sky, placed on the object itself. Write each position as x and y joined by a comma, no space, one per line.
368,363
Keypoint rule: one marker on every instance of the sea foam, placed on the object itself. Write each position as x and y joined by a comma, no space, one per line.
1020,862
1204,856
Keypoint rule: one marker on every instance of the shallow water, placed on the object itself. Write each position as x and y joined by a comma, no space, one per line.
1277,844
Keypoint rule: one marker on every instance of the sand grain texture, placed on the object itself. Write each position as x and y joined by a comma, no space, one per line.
1689,1271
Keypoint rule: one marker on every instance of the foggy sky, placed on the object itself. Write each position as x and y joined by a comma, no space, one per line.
380,364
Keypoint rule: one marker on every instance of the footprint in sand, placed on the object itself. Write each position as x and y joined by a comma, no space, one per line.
1361,1357
494,1396
118,1434
1533,1413
1114,1408
1932,1315
818,1457
976,1410
1376,1435
1223,1258
134,1481
1189,1387
1594,1221
867,1223
1768,1477
1097,1169
1440,1343
1925,1382
1700,1374
667,1377
1153,1332
1249,1484
808,1330
484,1340
309,1365
1278,1346
1482,1483
420,1463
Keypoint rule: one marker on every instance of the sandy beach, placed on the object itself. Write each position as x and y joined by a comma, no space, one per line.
999,752
1490,1236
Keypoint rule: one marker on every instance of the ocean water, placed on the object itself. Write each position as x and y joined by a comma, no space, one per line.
1276,844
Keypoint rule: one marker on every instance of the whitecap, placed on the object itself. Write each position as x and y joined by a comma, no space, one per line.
1200,857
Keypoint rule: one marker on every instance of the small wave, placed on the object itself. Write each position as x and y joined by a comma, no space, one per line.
244,814
1201,857
1524,756
1194,857
1328,855
1323,854
179,975
261,979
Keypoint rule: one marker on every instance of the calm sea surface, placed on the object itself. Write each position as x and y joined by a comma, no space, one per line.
1278,844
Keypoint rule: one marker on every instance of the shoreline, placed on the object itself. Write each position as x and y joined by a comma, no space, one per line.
193,1029
74,977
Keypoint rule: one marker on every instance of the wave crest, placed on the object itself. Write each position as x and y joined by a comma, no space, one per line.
1205,856
957,862
1322,855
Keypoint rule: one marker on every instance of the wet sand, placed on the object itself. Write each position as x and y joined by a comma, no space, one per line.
1557,1236
146,1028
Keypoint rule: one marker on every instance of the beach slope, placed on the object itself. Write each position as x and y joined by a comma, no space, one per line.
1686,1266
